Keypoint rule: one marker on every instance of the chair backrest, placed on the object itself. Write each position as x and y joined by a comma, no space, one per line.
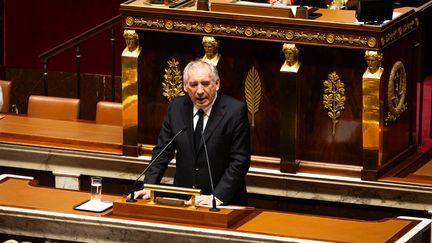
58,108
6,89
110,113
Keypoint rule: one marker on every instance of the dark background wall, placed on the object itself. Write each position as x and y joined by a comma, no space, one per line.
33,27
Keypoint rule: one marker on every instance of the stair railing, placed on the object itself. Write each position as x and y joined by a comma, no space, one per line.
75,42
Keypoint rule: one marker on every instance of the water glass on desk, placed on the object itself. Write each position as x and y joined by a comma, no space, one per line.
96,188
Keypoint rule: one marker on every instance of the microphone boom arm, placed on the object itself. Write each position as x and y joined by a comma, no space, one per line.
132,194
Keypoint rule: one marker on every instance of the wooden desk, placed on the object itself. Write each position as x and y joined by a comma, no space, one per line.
28,209
292,128
75,135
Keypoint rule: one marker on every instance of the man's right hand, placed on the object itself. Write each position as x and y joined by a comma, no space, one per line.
145,194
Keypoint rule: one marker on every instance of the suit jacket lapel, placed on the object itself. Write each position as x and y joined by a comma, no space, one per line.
188,121
217,113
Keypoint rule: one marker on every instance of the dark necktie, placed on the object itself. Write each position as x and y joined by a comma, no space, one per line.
199,128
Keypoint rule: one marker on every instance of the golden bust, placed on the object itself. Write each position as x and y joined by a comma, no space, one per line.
132,46
211,54
291,63
373,60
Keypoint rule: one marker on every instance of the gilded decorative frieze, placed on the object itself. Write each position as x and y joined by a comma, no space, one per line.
399,31
172,85
334,98
396,92
250,31
253,93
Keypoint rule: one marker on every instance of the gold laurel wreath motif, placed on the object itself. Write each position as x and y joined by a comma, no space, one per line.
334,98
396,93
253,93
173,84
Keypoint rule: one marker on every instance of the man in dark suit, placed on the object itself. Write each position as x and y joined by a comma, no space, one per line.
225,128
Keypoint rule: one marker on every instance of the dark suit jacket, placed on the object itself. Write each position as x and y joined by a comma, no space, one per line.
228,145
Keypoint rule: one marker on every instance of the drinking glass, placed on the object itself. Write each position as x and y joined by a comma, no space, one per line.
96,188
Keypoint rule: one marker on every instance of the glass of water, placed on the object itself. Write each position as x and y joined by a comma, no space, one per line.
96,188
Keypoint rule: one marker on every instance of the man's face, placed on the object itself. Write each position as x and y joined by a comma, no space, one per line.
200,88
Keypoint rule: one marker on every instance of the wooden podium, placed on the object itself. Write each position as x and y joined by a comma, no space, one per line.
177,210
201,216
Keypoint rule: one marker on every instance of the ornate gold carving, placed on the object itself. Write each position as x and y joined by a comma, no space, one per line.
250,31
396,92
173,84
211,54
371,42
169,25
129,77
371,111
330,38
334,98
391,36
373,60
253,93
401,30
272,33
289,35
208,28
129,21
132,43
291,52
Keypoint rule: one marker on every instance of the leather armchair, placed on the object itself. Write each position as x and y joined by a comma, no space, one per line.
58,108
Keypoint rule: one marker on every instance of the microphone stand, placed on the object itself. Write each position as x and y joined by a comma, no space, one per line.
213,208
132,194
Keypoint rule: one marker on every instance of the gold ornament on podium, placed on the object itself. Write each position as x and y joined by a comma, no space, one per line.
396,92
253,93
173,84
334,98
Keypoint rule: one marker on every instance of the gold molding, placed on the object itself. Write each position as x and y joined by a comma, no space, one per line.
399,31
253,93
172,85
396,92
334,98
251,31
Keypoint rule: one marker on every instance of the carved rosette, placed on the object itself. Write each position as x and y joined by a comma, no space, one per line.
334,98
253,93
396,92
172,85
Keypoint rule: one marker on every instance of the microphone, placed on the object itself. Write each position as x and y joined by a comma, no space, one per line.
132,194
213,208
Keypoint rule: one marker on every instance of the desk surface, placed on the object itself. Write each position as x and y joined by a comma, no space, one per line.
76,135
26,194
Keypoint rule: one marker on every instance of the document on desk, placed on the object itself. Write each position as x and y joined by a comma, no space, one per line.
94,206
